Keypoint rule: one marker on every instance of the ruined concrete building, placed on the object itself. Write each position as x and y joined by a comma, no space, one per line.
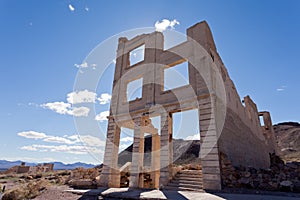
226,123
40,168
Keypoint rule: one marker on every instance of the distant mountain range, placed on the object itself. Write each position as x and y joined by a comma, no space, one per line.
287,136
4,164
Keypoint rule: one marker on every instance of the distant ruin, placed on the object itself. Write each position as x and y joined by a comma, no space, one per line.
40,168
241,137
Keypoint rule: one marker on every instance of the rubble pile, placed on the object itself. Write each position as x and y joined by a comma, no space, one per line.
279,177
81,178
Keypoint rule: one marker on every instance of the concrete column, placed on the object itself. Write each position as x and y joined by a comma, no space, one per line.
155,160
209,152
154,47
166,148
110,175
136,174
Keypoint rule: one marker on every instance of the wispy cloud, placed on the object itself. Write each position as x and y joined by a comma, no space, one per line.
30,159
72,149
58,107
83,96
122,147
47,138
104,98
126,139
77,97
281,88
66,108
32,135
193,137
102,116
75,144
57,139
94,66
164,24
71,7
85,65
82,65
91,141
79,111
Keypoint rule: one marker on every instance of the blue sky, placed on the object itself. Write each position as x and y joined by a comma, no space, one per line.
41,41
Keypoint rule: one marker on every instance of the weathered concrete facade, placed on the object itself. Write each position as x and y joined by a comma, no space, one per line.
240,136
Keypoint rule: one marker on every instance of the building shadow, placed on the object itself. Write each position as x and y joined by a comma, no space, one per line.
92,194
132,194
173,195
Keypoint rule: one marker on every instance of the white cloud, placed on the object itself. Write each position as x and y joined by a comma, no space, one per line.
30,159
92,141
29,148
79,111
126,139
104,98
86,9
69,144
59,107
85,65
94,66
77,97
73,137
88,140
32,135
83,96
164,24
122,147
71,7
193,137
281,88
72,149
65,108
57,139
173,23
102,116
46,138
82,65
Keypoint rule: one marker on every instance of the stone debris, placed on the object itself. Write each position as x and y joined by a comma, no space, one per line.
279,177
81,178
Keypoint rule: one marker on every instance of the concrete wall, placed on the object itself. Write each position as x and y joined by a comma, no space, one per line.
243,139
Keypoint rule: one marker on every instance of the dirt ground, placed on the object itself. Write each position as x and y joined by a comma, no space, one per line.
58,193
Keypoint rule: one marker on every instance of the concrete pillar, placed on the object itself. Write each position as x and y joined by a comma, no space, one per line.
155,160
136,174
166,148
209,151
110,175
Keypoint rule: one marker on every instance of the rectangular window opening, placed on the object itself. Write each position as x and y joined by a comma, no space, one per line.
126,139
137,55
186,125
176,76
261,119
134,90
156,123
147,149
